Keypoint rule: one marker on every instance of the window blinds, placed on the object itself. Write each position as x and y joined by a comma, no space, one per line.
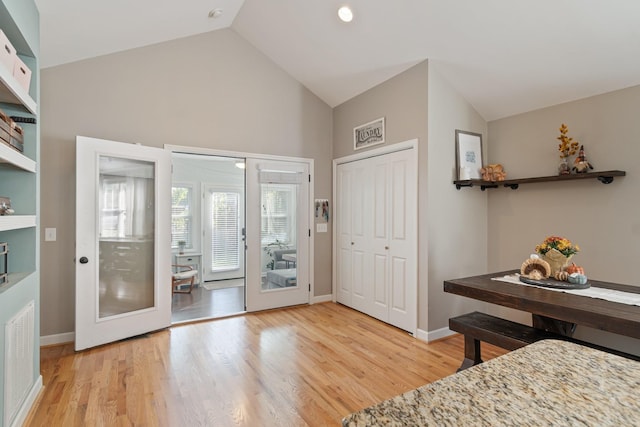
225,241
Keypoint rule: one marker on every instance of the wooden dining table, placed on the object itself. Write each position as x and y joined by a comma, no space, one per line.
554,311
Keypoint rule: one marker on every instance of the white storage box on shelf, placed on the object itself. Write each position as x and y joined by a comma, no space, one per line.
7,53
22,73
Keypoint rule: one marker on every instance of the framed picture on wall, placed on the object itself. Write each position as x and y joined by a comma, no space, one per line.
368,134
468,155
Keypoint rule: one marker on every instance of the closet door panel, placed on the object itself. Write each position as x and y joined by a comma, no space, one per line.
380,237
399,200
380,307
344,267
403,241
360,297
343,275
358,201
380,200
359,284
399,284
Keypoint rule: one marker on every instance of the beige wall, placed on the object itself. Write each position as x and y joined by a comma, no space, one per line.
457,219
402,100
603,219
213,90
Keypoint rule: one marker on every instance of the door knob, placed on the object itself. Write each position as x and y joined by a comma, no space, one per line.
386,247
84,260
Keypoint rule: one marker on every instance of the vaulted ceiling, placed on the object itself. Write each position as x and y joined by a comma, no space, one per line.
505,57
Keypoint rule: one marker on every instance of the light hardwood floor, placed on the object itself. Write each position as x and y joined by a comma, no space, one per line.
207,304
300,366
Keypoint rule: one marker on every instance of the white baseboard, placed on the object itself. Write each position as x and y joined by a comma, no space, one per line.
22,414
434,335
57,339
321,298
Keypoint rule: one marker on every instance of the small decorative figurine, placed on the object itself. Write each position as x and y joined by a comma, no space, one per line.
581,164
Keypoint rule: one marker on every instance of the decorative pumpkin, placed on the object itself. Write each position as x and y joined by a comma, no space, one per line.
573,268
535,268
577,278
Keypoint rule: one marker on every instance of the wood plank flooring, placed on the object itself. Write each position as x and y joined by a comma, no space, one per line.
206,304
300,366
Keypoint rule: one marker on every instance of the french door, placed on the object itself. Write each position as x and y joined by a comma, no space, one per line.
278,233
223,232
123,259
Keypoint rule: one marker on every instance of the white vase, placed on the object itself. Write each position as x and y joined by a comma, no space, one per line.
563,167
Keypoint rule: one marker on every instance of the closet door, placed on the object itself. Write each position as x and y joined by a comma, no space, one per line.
344,269
379,232
376,269
353,272
402,240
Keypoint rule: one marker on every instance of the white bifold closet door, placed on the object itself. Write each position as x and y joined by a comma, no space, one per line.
376,220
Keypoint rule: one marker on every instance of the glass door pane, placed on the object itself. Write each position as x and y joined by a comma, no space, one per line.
278,235
126,224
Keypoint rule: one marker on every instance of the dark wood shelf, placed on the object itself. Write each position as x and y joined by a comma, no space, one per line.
605,177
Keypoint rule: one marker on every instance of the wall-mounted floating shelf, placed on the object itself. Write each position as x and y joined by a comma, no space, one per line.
605,177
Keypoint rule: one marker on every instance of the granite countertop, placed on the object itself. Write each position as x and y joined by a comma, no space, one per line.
549,382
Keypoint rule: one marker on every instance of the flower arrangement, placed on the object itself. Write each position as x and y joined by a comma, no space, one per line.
560,244
567,147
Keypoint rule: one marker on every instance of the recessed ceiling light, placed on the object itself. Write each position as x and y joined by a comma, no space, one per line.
345,14
215,13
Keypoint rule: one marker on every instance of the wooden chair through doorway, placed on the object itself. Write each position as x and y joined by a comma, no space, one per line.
182,275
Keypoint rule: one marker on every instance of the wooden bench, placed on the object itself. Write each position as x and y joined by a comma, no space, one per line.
477,327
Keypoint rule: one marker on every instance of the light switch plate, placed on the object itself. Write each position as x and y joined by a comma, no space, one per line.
49,234
321,228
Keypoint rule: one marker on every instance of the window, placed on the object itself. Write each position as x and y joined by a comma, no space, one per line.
181,216
225,239
278,214
126,206
113,210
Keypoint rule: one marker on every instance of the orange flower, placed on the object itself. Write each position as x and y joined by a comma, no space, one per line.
562,245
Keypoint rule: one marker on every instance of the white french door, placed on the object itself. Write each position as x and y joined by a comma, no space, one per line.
123,255
278,234
223,232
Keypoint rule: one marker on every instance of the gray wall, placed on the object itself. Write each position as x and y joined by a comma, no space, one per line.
603,219
212,90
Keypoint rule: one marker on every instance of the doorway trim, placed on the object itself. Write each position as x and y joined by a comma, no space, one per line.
224,153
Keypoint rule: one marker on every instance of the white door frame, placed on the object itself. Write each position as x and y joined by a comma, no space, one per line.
266,157
411,144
